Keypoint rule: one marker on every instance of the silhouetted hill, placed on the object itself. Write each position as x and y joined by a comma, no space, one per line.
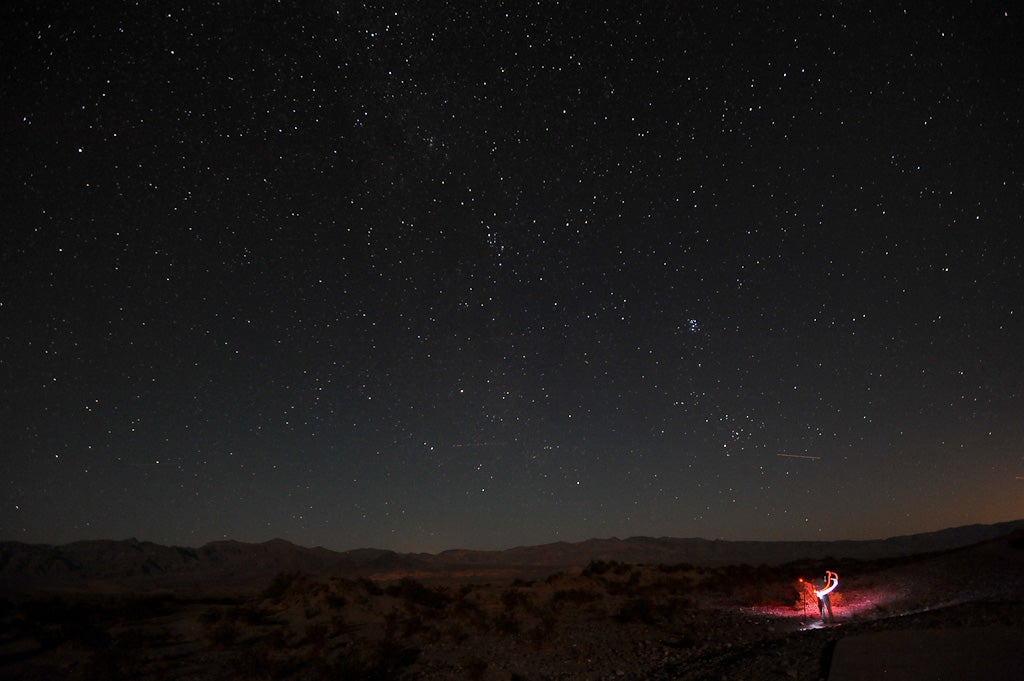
133,564
720,552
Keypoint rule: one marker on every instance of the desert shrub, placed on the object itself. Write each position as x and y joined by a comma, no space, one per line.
475,669
223,634
507,623
464,606
391,625
551,579
211,616
251,615
523,583
544,631
120,657
316,635
630,586
392,657
339,625
636,610
676,606
720,583
107,664
85,633
259,663
574,597
55,621
614,588
371,587
83,627
514,598
146,607
47,611
456,634
336,601
771,594
469,611
597,567
280,585
278,638
135,639
675,584
345,668
413,624
415,592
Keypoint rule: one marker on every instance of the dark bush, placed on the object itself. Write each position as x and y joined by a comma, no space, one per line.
551,579
107,664
259,663
224,635
506,623
55,621
393,657
211,616
371,587
413,624
250,615
316,635
475,669
514,598
544,630
574,597
636,610
147,607
412,591
597,567
675,607
280,585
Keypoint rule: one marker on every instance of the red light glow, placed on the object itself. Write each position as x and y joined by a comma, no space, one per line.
855,602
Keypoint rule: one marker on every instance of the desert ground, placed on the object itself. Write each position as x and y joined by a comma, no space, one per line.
606,620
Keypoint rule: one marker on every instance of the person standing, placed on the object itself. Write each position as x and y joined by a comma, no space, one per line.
831,582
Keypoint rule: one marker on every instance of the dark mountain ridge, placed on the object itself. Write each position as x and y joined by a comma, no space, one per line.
139,564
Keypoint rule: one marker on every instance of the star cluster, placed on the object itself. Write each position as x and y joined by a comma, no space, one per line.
499,273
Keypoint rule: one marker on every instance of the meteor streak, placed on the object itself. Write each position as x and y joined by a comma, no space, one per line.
800,456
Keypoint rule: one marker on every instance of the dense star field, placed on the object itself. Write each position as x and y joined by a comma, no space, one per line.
423,275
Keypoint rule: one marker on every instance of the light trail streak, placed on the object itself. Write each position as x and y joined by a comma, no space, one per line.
833,582
800,456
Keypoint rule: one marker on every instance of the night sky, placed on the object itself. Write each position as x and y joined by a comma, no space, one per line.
420,276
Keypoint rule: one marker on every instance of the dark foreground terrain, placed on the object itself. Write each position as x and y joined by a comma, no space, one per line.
609,620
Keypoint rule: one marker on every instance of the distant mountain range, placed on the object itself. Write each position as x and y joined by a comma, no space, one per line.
132,564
